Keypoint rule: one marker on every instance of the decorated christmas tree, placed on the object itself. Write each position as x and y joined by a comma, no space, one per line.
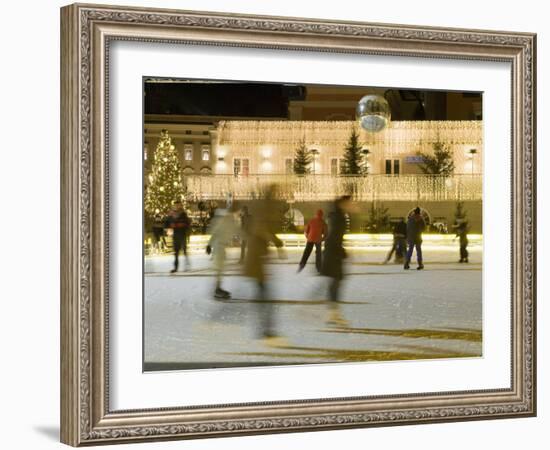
302,159
165,184
353,156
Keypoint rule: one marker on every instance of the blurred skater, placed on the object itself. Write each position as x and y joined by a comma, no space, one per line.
179,222
415,227
334,255
399,245
462,229
315,232
223,228
159,241
245,218
261,232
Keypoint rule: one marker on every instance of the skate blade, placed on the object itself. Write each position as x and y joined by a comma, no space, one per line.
275,341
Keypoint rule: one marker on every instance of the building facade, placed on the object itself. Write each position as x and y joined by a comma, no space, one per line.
193,143
238,158
268,147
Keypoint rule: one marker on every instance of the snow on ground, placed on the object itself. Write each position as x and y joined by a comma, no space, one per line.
391,313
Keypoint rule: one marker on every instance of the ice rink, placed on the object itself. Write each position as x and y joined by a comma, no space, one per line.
390,313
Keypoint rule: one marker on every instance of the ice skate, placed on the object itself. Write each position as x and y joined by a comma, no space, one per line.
275,341
222,294
336,320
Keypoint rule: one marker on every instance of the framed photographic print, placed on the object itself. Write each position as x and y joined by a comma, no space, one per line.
280,224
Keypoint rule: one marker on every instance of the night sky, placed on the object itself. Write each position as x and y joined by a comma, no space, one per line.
221,99
263,100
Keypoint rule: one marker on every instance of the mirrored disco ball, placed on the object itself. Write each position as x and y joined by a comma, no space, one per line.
373,113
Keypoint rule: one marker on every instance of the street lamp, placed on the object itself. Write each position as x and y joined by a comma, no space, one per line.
315,153
472,152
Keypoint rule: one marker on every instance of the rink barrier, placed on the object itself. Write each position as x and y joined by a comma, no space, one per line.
198,243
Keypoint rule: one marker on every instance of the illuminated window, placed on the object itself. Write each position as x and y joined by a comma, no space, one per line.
241,166
205,153
188,152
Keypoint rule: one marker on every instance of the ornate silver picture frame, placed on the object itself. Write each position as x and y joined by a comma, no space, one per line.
87,32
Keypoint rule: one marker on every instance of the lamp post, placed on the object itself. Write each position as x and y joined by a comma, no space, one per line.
472,152
315,153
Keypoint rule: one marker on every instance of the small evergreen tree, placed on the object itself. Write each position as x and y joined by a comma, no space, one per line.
440,163
353,157
165,182
302,159
378,220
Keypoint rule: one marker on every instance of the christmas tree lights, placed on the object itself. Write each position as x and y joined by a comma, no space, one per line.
165,182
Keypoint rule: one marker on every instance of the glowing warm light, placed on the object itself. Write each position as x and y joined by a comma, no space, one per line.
358,236
266,151
359,241
277,141
321,187
221,166
385,237
266,166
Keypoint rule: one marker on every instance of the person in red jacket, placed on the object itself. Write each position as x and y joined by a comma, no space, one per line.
315,232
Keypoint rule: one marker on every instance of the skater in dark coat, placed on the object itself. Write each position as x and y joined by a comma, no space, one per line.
399,245
315,232
334,254
179,222
261,232
415,227
462,233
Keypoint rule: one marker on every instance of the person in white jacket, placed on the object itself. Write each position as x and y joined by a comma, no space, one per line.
223,228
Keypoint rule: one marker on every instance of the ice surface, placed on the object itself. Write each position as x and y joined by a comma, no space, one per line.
391,313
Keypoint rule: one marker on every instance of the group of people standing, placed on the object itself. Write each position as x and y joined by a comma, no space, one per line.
407,238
